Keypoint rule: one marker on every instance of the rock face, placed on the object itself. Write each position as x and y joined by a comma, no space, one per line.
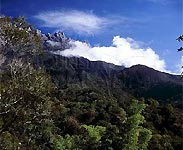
56,41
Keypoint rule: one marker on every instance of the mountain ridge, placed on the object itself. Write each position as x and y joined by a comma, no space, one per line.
139,80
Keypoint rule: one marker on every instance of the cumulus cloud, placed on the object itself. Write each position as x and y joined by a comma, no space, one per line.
78,21
123,51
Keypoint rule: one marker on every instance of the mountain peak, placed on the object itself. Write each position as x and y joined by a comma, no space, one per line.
56,41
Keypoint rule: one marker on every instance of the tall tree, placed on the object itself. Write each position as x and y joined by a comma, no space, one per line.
137,137
25,90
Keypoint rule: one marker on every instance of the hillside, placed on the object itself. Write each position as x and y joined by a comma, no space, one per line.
139,81
149,83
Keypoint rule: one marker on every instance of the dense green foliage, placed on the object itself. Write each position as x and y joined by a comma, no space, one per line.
36,113
137,137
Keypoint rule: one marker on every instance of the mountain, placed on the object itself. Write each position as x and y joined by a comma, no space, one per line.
73,70
56,41
118,81
146,82
137,81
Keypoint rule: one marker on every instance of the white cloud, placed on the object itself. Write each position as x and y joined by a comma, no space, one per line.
73,20
123,51
178,67
53,43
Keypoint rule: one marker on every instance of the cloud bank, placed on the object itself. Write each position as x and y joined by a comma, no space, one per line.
123,51
73,20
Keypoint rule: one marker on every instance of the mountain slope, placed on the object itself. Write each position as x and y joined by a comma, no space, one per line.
149,83
139,81
96,75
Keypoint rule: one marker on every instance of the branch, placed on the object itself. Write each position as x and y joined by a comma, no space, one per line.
180,49
5,112
180,38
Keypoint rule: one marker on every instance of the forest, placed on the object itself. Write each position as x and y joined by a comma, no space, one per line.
53,102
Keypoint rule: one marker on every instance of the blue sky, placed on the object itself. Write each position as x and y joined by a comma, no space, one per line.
114,28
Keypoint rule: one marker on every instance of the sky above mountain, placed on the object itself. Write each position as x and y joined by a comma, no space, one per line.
122,32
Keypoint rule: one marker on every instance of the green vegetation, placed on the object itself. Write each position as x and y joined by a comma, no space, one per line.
137,136
37,113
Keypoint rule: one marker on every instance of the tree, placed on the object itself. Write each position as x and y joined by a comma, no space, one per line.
137,137
25,91
67,142
18,36
25,102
